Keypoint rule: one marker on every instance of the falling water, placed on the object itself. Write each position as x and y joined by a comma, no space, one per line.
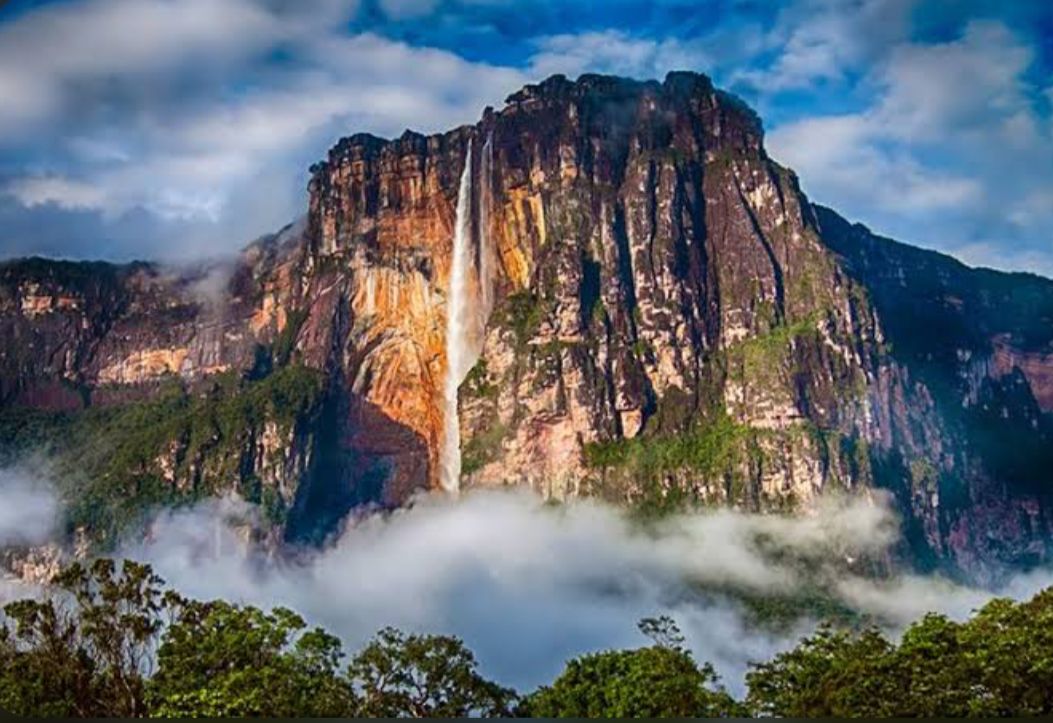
458,322
486,250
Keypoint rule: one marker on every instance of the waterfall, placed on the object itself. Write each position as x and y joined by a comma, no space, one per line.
486,250
468,304
458,322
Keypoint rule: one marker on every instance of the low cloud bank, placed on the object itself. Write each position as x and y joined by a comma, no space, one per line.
528,585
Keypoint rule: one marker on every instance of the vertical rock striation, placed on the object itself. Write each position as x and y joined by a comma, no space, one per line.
668,321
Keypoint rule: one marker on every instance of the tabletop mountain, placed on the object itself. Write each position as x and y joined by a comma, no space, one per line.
604,288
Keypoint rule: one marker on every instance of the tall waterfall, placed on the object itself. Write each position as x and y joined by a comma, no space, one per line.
459,359
486,249
468,305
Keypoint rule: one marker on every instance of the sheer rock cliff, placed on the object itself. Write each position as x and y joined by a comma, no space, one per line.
663,319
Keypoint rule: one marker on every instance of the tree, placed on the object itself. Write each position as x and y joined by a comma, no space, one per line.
660,681
398,675
86,649
1010,647
998,663
930,672
43,668
220,659
663,630
830,673
109,642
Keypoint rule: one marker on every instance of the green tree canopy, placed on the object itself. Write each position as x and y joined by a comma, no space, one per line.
85,650
828,673
111,641
423,676
998,663
660,681
219,659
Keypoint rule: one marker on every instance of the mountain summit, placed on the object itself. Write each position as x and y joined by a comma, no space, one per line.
604,288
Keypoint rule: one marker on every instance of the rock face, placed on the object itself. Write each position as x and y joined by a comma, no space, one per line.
664,319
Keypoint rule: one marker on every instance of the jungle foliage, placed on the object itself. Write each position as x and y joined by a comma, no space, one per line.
111,640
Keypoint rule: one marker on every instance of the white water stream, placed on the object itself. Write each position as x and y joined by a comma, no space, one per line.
468,305
458,313
486,249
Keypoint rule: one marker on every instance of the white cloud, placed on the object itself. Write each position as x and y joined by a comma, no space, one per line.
28,509
825,40
906,598
47,52
994,254
64,192
126,105
199,160
953,151
842,157
196,160
617,53
969,84
527,585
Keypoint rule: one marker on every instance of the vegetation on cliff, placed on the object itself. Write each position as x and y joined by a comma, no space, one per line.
114,463
112,641
711,451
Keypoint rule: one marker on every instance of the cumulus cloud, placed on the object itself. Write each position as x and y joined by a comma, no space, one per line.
953,151
843,157
528,585
158,108
188,161
824,41
925,98
62,192
46,53
947,143
147,128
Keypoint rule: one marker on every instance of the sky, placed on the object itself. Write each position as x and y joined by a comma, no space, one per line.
183,129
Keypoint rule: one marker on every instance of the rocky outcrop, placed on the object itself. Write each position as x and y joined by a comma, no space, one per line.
665,320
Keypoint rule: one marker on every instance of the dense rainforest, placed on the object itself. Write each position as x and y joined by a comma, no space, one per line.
111,639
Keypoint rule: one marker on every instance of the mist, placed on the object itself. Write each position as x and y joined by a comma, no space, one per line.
528,585
29,509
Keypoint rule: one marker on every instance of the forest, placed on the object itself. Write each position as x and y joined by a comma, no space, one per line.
111,639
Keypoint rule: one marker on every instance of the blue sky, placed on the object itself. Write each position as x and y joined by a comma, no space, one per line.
181,129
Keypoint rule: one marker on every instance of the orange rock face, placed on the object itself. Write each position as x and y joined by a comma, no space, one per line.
383,216
144,365
650,280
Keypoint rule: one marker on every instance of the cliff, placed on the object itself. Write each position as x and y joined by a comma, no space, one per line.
647,309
